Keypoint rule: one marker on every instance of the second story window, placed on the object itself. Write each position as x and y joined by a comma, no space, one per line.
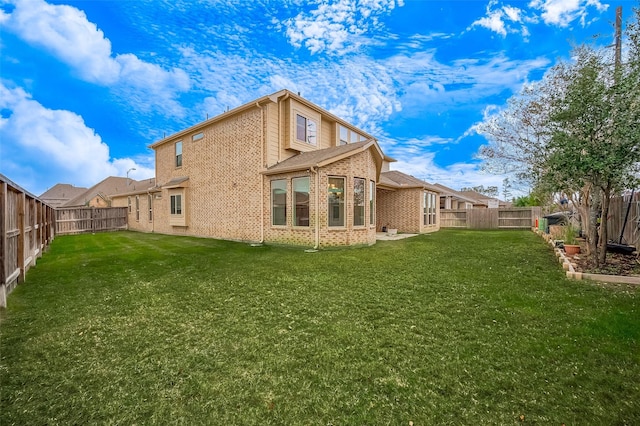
179,154
349,136
306,130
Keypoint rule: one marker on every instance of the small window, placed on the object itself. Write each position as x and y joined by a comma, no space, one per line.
150,201
425,211
358,201
432,209
129,203
372,203
306,130
137,208
197,136
300,201
344,135
178,154
279,202
349,136
176,204
335,201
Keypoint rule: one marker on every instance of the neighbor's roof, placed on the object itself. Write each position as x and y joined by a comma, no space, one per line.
397,179
445,190
323,157
61,193
113,185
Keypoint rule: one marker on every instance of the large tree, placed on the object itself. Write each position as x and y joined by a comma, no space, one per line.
577,132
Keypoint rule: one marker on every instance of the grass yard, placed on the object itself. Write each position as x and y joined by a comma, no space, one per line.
457,327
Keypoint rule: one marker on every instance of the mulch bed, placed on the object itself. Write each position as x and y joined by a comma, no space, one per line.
617,264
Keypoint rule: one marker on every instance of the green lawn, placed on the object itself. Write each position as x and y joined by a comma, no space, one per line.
456,327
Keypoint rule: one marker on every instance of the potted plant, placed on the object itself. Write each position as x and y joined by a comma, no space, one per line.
570,241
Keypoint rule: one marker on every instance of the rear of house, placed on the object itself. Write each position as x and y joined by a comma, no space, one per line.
279,169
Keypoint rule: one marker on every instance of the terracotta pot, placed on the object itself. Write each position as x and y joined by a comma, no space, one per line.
571,249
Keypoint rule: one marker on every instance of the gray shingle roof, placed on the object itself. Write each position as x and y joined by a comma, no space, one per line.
320,157
60,194
398,179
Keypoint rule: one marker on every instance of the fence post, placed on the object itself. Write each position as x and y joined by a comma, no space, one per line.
21,235
3,244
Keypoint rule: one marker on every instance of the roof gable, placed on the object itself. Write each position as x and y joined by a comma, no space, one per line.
324,157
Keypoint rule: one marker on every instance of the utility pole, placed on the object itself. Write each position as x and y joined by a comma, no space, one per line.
618,58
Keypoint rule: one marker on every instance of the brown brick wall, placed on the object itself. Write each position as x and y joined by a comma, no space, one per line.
402,210
399,209
360,165
223,198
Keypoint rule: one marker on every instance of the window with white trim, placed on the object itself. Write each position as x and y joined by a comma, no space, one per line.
279,202
335,201
300,189
358,201
372,202
306,130
428,208
150,203
137,208
176,205
129,203
348,136
197,136
179,154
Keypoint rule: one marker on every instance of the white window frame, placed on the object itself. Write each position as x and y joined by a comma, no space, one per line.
347,136
177,207
308,135
273,204
178,154
359,203
150,202
295,203
372,203
341,205
137,208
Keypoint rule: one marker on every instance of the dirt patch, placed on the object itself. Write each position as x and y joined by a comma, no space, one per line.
617,264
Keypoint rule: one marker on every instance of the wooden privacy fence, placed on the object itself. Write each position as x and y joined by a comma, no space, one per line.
89,219
618,212
512,218
26,229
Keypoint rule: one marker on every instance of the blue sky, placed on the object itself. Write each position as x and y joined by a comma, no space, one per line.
86,86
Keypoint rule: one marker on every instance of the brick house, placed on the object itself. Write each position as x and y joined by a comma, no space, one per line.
278,169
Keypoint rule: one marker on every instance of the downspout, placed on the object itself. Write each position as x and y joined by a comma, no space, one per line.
316,170
261,175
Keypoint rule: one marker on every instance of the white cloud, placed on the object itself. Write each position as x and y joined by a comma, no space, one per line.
56,142
563,12
507,19
68,35
502,20
458,175
337,26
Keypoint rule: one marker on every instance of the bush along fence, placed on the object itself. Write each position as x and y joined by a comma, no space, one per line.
89,219
26,229
511,218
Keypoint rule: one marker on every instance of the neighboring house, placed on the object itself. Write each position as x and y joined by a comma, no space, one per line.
450,199
60,194
99,195
278,169
484,201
